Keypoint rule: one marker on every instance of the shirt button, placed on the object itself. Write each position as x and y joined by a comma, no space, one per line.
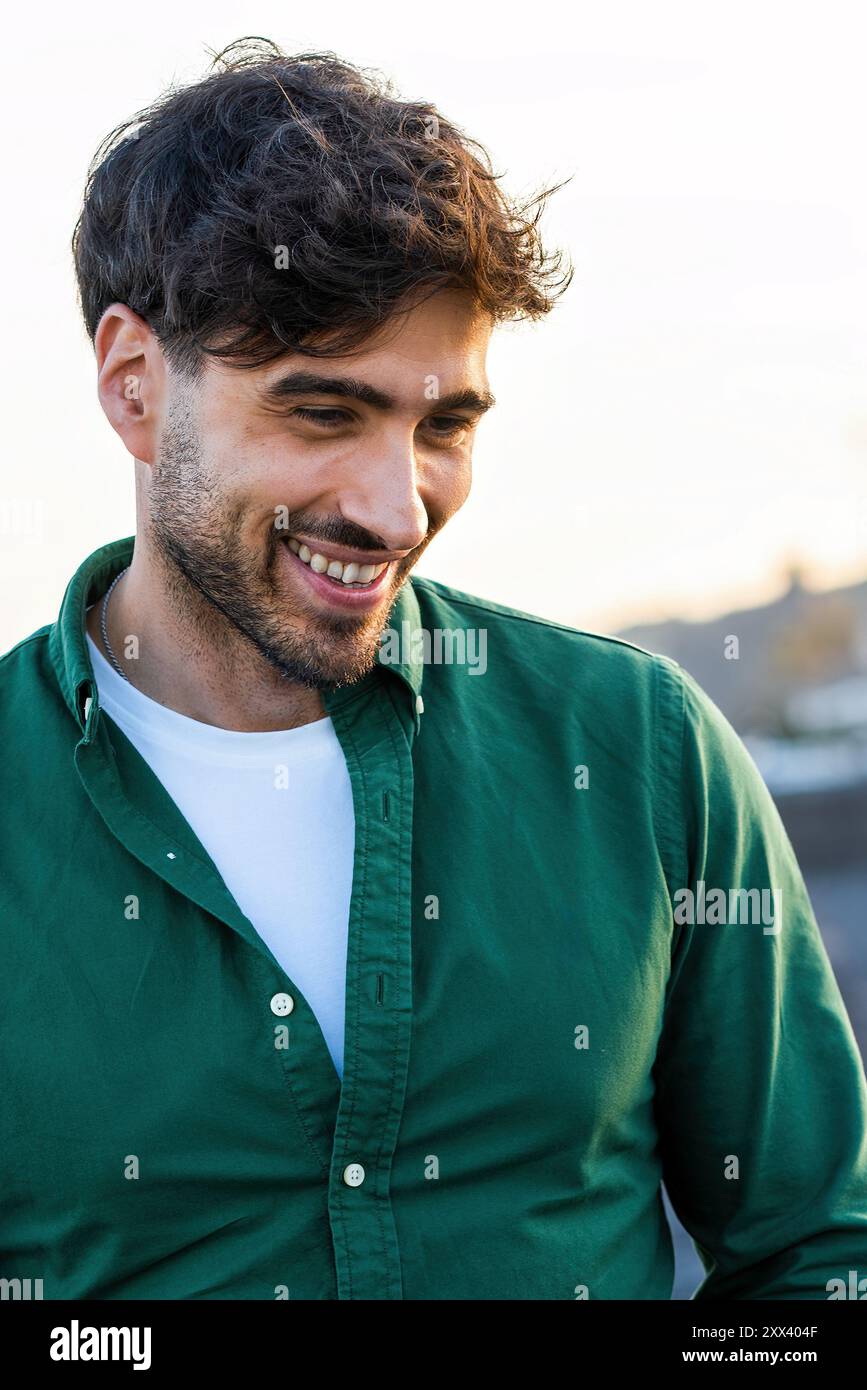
353,1175
282,1004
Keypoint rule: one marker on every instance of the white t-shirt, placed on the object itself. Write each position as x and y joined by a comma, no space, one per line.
274,811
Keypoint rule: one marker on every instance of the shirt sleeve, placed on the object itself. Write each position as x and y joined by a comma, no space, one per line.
760,1096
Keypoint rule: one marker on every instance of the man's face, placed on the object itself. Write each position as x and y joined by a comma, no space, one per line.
297,508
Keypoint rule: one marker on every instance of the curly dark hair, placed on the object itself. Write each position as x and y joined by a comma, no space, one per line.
293,203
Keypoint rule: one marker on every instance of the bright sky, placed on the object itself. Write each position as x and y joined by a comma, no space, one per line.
694,413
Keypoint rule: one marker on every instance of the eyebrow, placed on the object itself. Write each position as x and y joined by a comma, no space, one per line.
310,384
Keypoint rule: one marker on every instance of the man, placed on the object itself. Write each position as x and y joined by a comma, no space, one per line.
354,936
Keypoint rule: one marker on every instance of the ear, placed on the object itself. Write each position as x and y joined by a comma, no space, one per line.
131,379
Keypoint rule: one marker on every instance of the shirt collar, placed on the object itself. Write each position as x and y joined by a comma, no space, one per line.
67,641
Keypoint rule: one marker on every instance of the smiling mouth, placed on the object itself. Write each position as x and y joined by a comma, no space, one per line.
350,576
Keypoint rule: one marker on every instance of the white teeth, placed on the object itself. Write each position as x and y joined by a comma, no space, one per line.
351,573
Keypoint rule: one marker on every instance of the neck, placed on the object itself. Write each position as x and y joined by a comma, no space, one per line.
192,660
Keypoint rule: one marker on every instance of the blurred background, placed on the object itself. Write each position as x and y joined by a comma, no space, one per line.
677,454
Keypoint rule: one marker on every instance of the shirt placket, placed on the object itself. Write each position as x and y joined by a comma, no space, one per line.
376,738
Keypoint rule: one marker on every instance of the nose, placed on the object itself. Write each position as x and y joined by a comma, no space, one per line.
382,494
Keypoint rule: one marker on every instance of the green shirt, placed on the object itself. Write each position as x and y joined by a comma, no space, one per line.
533,1040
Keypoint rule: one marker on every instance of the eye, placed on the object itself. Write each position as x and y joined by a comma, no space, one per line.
446,425
322,415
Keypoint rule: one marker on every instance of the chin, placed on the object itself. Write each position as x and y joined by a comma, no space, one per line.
322,668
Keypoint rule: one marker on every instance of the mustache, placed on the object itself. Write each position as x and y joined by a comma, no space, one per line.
340,531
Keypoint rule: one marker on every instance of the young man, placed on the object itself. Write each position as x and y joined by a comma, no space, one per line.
354,935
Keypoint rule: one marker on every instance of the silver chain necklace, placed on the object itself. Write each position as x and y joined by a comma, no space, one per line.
111,656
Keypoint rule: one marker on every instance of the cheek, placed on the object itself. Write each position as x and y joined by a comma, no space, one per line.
448,488
256,478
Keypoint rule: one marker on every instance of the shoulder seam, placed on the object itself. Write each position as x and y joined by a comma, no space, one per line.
675,843
463,600
670,718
